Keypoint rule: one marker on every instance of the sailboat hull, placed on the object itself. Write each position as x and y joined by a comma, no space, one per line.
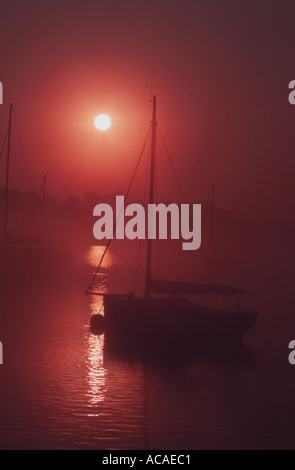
160,320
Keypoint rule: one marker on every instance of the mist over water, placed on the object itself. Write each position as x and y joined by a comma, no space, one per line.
62,387
221,78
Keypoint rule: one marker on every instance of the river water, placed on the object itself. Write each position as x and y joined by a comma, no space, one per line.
60,388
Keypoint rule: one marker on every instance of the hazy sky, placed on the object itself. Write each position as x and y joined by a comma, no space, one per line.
221,69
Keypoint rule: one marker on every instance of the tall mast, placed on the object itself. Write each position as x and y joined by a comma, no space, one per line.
7,176
151,198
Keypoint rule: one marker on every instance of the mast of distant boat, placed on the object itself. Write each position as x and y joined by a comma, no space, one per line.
147,292
7,177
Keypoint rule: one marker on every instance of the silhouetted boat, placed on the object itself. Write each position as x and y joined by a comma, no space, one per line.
169,318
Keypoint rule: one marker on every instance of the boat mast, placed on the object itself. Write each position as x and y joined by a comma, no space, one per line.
147,292
7,177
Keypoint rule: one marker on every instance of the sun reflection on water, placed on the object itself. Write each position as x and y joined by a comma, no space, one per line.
93,255
96,373
96,305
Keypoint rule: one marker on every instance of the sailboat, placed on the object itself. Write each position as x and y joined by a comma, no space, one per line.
9,238
163,313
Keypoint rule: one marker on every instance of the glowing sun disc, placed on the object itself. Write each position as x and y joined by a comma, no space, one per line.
102,122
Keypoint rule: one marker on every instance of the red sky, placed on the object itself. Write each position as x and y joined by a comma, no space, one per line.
221,69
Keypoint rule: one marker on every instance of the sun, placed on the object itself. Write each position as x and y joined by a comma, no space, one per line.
102,122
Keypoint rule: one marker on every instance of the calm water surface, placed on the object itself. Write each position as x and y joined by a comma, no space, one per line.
61,388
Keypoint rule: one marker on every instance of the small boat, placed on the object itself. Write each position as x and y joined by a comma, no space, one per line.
163,314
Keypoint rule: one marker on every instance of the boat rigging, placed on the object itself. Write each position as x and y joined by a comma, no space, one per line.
162,314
